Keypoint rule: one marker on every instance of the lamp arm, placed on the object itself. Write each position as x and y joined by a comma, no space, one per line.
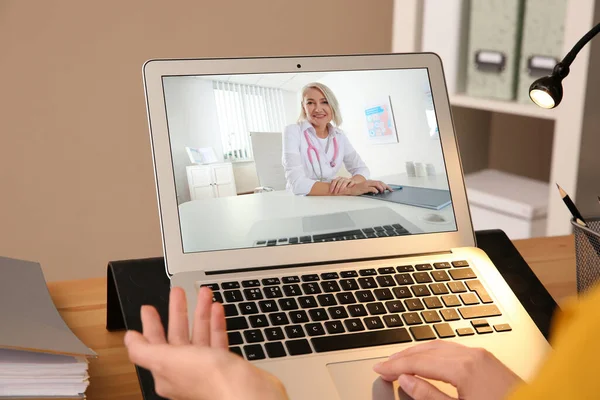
566,62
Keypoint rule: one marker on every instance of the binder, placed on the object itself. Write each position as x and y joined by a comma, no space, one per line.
494,47
542,45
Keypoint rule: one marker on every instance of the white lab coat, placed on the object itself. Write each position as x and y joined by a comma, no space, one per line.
299,172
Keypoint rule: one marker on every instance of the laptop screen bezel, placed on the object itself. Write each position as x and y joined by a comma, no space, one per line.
238,259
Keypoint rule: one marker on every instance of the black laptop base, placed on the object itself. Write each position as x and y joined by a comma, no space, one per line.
133,283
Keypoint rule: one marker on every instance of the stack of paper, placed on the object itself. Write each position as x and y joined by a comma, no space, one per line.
39,355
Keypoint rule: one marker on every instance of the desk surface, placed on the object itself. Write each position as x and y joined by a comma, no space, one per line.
82,304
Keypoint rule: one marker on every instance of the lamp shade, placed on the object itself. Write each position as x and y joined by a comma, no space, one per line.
547,92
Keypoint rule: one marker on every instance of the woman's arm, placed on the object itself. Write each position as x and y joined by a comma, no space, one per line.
292,162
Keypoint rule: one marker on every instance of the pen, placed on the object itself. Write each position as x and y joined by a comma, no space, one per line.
571,206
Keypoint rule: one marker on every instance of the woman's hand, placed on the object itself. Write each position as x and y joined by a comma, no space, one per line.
474,372
200,367
367,186
339,184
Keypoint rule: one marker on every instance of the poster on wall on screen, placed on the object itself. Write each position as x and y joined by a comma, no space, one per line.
381,128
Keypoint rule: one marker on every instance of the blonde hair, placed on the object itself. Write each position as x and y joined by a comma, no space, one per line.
336,116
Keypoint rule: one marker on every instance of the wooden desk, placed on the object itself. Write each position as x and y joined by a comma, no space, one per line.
82,304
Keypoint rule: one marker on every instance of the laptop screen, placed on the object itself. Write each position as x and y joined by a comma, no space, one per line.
287,159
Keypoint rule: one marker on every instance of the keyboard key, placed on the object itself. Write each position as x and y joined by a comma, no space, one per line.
367,283
272,292
477,287
345,298
299,317
217,297
441,265
330,286
420,290
275,350
349,284
469,299
354,325
307,302
311,288
348,274
212,286
367,272
268,305
405,268
388,227
373,323
431,316
287,304
318,314
290,279
337,312
395,306
292,290
278,319
294,331
414,304
502,327
310,278
234,338
462,263
465,331
233,296
484,329
357,310
253,294
479,311
386,270
457,287
274,333
230,310
298,347
248,308
293,240
450,314
326,300
376,308
463,273
412,318
444,330
422,277
383,294
314,329
450,300
270,281
365,296
392,321
230,285
404,279
423,267
236,350
236,323
271,242
440,276
385,281
254,352
253,336
251,283
258,321
305,239
379,229
402,292
438,288
359,340
423,332
432,302
329,275
334,327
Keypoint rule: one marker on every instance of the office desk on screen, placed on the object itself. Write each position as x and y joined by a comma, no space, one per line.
226,222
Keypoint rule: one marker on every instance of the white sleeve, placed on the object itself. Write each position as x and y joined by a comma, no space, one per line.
352,161
296,178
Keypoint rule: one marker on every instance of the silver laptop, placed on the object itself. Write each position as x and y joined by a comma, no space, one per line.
318,310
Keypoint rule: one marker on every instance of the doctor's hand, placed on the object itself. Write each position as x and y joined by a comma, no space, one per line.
475,373
201,367
339,184
367,186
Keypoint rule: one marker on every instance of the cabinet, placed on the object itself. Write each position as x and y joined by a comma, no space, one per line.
556,146
211,180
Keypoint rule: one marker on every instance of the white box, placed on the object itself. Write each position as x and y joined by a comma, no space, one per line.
515,204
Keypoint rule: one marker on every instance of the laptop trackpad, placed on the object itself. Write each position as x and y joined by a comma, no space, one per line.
356,380
335,221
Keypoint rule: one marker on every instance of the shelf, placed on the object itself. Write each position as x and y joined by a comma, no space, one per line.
507,107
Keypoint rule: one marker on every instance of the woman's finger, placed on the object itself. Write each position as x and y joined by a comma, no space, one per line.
425,365
201,327
341,186
139,349
332,184
152,326
178,320
420,389
218,332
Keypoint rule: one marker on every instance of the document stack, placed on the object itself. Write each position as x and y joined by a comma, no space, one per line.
39,355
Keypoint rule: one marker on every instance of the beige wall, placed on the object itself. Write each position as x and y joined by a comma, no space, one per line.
76,178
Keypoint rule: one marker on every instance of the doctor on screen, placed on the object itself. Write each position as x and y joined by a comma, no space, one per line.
315,148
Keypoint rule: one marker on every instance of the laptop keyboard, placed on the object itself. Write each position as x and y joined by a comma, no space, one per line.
315,313
365,233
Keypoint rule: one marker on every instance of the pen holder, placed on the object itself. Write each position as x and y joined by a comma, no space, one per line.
587,253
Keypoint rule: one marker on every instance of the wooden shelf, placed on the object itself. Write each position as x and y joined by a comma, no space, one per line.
507,107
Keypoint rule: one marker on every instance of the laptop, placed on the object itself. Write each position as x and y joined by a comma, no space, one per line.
318,314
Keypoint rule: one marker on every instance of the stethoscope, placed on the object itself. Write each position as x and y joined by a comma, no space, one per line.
314,149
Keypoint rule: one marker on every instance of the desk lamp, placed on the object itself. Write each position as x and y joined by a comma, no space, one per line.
547,91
